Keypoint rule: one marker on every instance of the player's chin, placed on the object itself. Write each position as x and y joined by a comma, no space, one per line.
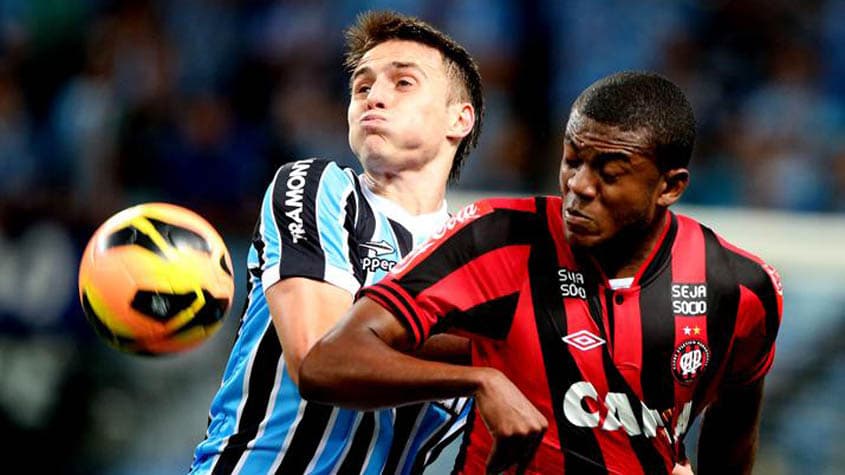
583,239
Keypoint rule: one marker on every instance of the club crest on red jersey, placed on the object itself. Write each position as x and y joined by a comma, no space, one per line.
689,360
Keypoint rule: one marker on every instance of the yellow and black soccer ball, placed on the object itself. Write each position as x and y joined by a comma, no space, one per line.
156,278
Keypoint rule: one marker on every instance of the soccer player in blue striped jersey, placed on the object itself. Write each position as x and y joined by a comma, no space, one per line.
324,232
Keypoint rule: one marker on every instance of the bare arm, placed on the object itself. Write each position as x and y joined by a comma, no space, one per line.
363,364
446,348
303,310
728,441
360,364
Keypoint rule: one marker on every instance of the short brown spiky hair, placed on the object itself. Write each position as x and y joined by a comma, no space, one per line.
373,28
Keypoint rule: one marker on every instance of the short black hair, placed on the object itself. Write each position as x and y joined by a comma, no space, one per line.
633,100
376,27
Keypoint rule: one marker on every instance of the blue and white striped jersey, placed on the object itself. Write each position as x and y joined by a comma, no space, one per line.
318,221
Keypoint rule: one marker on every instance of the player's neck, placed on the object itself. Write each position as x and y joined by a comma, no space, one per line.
626,254
416,191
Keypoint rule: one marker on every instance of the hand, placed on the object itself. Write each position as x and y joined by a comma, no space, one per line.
516,425
682,468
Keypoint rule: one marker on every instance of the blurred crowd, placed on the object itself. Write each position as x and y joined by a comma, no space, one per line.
108,103
104,104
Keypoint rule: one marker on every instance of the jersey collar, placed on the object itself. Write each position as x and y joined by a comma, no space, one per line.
651,267
421,224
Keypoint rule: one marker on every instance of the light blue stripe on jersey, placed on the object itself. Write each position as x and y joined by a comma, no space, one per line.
381,447
338,441
434,419
334,187
225,407
269,235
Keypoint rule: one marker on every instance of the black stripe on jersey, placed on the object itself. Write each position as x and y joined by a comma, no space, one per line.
365,228
351,211
403,237
306,438
650,459
406,420
583,454
461,458
751,275
657,323
662,256
258,244
492,318
407,308
248,292
353,463
292,207
722,306
483,235
261,379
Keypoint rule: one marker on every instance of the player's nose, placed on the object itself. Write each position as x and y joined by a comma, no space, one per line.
379,95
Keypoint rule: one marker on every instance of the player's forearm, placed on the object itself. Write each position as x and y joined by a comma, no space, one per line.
375,375
728,441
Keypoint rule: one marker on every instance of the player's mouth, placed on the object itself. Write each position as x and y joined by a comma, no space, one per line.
576,221
371,118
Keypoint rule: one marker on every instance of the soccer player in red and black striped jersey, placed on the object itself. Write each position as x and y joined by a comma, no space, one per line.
602,323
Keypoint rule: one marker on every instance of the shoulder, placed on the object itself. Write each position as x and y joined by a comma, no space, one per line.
531,204
749,269
478,227
311,179
494,212
300,173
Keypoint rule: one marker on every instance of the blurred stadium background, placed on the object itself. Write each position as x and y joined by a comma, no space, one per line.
105,104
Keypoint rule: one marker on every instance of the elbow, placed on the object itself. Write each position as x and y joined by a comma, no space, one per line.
312,383
293,363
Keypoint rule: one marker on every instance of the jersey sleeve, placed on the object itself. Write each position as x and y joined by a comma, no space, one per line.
467,275
305,227
757,324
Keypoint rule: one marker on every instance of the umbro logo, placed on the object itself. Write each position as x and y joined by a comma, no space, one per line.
380,247
583,340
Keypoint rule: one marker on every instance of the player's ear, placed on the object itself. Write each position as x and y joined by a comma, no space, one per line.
673,184
461,120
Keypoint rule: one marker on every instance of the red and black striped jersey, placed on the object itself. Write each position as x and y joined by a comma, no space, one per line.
619,374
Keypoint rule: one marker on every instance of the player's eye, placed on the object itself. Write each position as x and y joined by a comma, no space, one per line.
572,162
404,82
609,178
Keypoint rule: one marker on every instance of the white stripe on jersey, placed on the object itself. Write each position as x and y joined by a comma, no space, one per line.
326,432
